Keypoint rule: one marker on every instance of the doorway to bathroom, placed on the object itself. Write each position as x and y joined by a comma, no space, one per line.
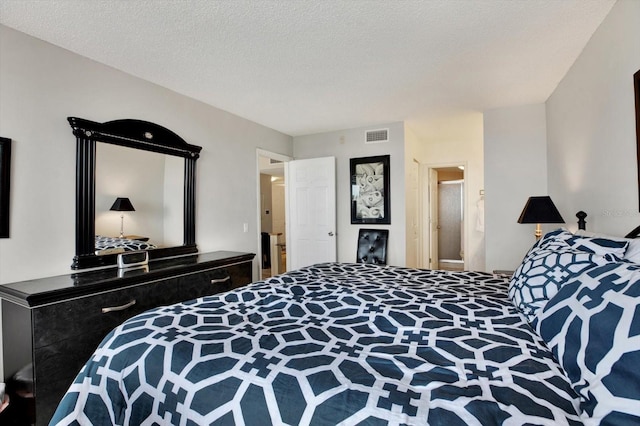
451,222
446,218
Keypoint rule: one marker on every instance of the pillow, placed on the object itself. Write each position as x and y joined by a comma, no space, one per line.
599,244
554,240
543,271
554,259
592,326
633,250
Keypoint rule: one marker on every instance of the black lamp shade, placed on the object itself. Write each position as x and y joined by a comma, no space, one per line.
540,210
122,205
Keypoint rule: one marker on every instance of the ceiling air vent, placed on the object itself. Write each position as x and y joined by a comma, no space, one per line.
377,136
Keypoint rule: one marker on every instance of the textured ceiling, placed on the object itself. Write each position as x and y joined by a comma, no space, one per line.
305,67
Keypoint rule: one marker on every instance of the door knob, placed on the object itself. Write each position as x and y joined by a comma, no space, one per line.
330,234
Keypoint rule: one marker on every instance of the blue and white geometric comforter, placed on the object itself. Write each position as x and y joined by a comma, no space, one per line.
328,344
104,244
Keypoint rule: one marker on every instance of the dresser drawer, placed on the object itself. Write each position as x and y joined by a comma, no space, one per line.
241,274
204,283
66,334
213,281
98,314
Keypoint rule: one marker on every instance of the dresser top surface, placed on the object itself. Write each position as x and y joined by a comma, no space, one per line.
41,291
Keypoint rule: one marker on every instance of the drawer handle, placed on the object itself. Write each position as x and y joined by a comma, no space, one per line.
119,308
220,280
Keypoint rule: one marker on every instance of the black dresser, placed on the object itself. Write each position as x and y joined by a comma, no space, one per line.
56,323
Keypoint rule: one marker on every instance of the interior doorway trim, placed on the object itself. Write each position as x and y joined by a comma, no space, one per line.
274,156
426,173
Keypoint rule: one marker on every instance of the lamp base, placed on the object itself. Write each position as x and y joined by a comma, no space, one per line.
538,232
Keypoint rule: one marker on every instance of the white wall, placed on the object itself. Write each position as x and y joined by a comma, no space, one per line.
349,143
41,85
515,165
591,127
458,140
413,225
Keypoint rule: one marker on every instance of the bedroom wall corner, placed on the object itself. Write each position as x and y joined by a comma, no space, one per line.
515,164
349,143
591,127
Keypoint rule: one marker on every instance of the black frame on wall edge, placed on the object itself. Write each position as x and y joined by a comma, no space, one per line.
636,88
370,198
5,178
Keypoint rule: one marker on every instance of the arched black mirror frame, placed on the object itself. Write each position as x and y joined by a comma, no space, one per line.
136,134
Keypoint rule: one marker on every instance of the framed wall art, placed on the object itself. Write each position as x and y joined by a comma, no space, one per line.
370,202
5,175
636,87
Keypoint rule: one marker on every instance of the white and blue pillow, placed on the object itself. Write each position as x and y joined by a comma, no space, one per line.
551,262
598,245
601,245
592,326
551,240
542,273
632,254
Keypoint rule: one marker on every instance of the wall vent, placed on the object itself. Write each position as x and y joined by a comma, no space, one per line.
377,136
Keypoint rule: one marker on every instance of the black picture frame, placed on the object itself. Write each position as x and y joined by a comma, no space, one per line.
370,190
636,87
5,185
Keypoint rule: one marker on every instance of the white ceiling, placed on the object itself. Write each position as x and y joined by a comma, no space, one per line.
309,66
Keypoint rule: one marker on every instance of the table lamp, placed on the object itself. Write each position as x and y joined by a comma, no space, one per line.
540,210
122,205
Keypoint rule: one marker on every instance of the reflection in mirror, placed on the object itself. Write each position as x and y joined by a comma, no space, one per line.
154,184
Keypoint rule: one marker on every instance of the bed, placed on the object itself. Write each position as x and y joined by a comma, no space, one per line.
340,343
110,245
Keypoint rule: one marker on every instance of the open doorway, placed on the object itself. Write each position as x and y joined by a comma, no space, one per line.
272,214
446,218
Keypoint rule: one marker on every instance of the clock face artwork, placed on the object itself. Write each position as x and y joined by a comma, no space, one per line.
134,258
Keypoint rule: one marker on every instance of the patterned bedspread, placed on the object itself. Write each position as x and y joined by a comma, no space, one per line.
104,244
329,344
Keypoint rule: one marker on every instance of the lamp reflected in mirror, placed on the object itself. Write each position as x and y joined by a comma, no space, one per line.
540,210
122,205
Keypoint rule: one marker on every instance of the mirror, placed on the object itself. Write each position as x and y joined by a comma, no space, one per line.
150,165
152,182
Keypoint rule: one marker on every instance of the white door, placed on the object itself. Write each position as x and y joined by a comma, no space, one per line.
311,211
